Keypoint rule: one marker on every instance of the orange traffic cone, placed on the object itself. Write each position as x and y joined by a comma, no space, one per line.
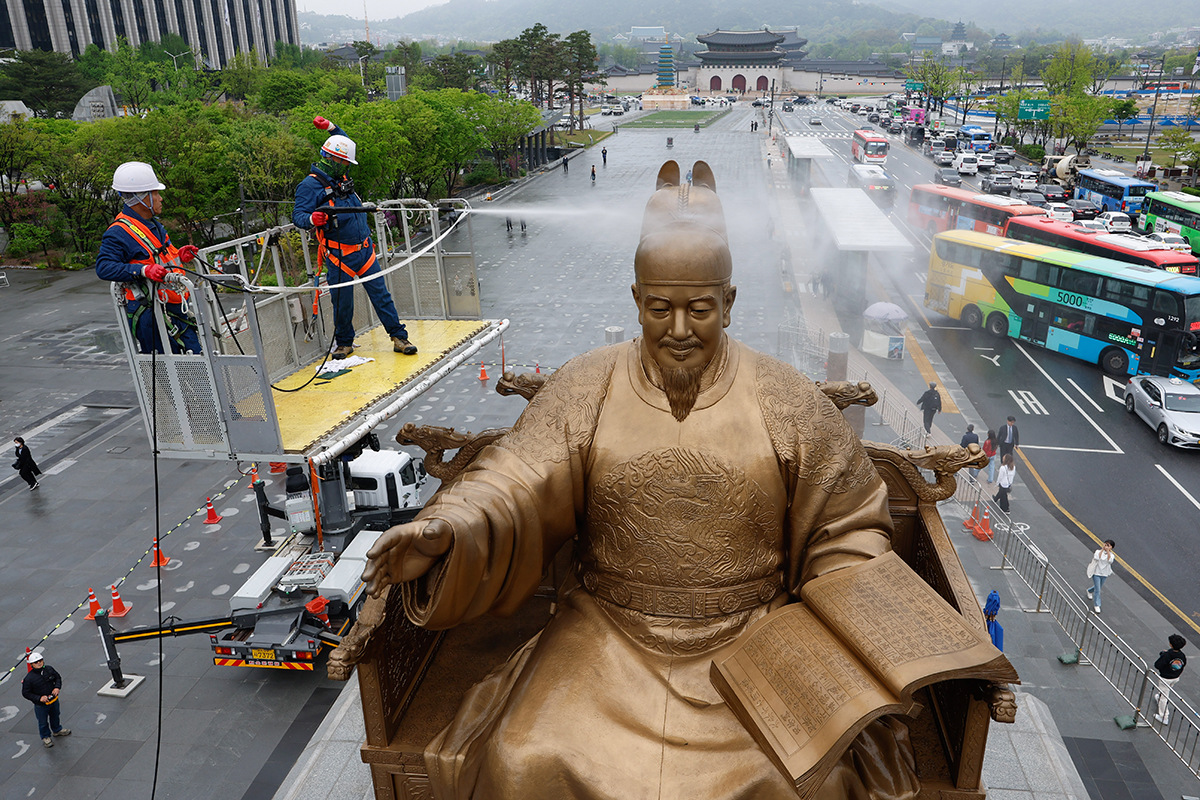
278,467
120,607
537,368
213,517
160,558
317,607
253,474
93,605
983,531
482,372
972,521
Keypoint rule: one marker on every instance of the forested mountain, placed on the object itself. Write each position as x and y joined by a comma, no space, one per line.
1084,18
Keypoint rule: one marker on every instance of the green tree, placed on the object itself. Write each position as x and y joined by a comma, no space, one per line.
502,121
1176,142
132,78
95,65
49,83
1070,69
337,86
1079,117
503,58
579,61
79,163
282,89
1123,111
242,75
268,161
452,71
22,146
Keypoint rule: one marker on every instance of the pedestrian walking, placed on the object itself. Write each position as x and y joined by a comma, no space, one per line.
564,163
970,437
604,155
41,686
1004,482
1099,569
593,174
1169,666
25,466
508,224
522,226
930,403
989,450
1010,437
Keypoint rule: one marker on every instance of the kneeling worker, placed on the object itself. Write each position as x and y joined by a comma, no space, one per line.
344,241
137,251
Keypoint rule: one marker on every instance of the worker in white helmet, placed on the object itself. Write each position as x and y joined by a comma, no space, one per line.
137,251
344,241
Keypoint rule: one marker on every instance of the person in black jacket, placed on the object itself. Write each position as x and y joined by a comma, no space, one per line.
970,437
930,403
26,467
1170,666
41,687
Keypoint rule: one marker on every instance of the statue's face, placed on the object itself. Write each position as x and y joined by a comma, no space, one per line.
683,325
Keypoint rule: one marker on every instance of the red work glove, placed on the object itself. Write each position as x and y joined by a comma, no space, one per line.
188,253
322,124
318,218
155,272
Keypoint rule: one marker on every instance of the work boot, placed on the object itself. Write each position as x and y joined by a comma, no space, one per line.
343,351
403,346
48,742
63,732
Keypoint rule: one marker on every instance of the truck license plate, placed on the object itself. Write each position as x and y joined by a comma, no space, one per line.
259,654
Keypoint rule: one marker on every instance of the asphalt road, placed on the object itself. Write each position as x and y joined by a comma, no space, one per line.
1102,469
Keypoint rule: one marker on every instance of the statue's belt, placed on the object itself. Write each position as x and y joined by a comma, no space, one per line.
673,601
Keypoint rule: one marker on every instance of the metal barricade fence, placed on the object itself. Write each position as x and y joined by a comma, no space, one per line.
1096,643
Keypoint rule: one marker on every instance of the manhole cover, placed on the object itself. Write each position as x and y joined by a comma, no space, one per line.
118,449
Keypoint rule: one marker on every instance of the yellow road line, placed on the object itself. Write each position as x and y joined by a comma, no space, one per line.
1179,612
928,374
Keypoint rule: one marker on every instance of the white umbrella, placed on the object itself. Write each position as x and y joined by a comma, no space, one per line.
885,312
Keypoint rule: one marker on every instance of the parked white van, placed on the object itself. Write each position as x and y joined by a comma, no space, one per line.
967,163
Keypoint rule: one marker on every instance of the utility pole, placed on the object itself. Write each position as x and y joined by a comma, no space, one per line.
999,96
1154,110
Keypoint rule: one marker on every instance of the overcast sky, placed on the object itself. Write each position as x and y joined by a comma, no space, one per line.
377,9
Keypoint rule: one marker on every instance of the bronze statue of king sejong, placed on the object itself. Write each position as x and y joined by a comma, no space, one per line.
702,484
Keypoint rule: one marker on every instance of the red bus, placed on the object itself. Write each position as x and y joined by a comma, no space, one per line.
1118,246
869,147
936,208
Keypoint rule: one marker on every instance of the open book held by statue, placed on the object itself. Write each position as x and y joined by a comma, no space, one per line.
703,486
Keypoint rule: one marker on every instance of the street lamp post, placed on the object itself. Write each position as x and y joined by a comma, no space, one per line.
996,105
1154,110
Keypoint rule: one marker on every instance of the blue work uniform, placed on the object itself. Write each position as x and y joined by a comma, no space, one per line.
122,257
348,252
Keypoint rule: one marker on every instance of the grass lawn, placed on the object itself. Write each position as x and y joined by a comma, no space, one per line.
586,138
674,119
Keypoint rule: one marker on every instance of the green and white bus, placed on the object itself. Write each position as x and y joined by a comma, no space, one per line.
1172,212
1128,318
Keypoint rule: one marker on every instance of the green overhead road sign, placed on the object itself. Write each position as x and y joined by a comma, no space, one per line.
1034,109
914,86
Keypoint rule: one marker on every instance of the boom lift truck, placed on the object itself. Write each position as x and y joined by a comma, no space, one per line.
252,396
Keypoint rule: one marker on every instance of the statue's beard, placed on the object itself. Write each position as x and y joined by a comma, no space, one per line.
681,384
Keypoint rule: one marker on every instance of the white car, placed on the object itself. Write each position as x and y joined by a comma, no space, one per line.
943,158
1114,221
967,163
1168,405
1060,212
986,160
1025,181
1171,240
1091,225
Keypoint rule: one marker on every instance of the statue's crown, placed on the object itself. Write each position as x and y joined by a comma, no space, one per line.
683,239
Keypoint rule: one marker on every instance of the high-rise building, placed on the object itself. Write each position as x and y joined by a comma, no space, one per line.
215,29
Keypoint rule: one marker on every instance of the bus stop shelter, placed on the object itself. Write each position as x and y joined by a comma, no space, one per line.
848,229
801,151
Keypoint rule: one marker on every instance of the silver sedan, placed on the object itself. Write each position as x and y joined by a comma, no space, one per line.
1168,405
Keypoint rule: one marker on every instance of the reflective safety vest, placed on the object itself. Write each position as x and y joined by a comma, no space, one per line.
326,248
156,253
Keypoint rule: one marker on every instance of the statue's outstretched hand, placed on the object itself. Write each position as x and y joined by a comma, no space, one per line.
405,553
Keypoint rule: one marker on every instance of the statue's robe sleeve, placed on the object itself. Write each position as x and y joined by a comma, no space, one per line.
516,504
837,503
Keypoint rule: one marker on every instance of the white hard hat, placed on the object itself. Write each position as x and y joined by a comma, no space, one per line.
340,146
34,657
136,176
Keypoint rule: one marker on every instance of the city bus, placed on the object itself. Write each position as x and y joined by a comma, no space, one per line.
1111,190
1119,246
973,137
1175,212
1127,318
869,147
935,208
878,185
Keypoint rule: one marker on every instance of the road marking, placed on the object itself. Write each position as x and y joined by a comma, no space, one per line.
1070,400
1085,395
1066,449
60,466
926,370
1182,490
1025,397
50,423
1111,388
994,359
1137,575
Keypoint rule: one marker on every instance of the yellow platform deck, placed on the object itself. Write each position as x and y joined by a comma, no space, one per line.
307,416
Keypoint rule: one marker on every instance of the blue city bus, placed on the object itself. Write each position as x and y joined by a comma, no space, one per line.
1128,318
973,137
1111,190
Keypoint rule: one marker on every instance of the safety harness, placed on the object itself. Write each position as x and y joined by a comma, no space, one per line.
326,247
157,252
